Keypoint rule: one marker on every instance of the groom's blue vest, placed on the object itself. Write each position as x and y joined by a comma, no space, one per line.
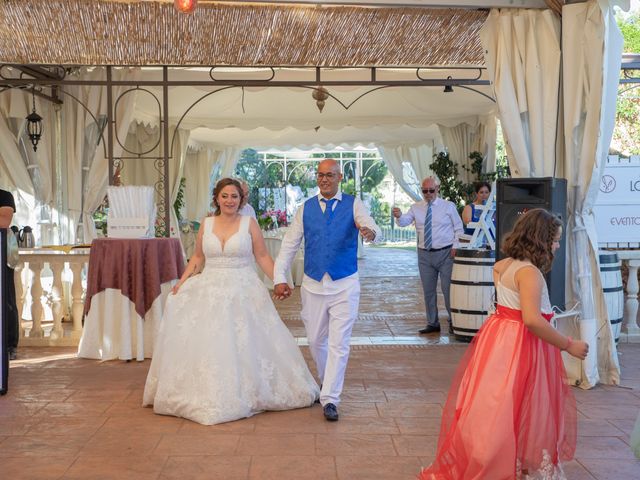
330,242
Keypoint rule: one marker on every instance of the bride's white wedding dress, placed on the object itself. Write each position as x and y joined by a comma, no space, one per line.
222,352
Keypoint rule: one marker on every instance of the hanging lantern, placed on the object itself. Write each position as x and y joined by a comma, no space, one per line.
320,94
34,125
185,6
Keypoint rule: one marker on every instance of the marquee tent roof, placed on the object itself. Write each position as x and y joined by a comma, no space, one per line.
287,117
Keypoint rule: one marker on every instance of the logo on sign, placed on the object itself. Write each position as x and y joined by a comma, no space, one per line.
607,184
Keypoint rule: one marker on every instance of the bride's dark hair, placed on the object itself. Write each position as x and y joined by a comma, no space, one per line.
225,182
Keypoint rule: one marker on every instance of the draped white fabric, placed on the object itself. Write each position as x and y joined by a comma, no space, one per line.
463,139
485,141
457,140
14,174
27,174
408,164
523,61
228,161
97,174
79,153
592,46
176,167
198,169
38,163
141,139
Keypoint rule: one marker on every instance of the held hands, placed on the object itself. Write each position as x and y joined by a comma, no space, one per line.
397,213
281,291
577,348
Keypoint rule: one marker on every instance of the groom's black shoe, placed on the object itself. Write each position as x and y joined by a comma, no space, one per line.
331,412
430,329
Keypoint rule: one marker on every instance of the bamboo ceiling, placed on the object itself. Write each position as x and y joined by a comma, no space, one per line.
104,32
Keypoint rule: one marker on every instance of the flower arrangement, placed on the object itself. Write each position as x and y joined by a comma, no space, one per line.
270,219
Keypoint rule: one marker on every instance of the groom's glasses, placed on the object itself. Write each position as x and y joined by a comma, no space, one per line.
328,176
428,190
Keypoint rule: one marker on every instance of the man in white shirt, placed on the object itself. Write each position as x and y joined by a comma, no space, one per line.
438,228
246,208
330,224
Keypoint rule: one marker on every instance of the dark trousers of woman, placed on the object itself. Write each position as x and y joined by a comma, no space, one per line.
12,309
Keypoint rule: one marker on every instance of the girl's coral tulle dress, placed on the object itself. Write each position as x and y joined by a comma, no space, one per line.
510,413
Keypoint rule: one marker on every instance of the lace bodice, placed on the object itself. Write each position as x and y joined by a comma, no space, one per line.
509,297
237,250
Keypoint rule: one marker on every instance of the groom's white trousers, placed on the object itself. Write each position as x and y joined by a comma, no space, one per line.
329,320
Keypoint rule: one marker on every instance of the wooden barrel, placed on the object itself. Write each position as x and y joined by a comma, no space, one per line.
472,290
611,277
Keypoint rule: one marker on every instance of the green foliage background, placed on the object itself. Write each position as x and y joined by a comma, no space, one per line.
626,135
259,174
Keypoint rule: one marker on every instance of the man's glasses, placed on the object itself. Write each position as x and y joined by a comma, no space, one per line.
428,190
328,176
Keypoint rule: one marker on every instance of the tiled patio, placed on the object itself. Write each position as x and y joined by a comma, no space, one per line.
81,419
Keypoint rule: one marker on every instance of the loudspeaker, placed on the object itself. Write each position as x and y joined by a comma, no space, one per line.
4,311
515,196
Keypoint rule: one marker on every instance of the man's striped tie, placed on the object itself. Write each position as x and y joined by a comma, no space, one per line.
427,228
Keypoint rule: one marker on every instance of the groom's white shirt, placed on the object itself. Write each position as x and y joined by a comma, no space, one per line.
293,238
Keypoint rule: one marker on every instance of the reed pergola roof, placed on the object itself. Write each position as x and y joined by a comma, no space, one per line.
133,32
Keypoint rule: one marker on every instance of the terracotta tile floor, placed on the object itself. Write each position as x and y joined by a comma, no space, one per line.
81,419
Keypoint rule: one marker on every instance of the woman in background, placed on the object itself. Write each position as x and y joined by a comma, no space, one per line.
472,214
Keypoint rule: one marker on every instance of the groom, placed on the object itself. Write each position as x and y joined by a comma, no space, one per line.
329,223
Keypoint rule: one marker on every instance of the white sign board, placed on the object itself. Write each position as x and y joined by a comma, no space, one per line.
617,207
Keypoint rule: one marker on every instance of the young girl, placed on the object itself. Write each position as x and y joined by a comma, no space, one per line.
510,413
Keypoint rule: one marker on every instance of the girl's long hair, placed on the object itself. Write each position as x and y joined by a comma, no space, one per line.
532,238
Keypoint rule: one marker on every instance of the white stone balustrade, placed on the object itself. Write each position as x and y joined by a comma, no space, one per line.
28,281
33,261
630,330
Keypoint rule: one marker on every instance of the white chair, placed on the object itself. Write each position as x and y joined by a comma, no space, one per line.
132,212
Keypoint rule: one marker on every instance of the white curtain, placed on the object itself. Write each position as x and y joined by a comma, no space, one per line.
228,160
14,174
176,167
464,138
485,141
97,175
408,164
459,141
198,169
39,163
13,164
77,120
144,140
523,61
592,49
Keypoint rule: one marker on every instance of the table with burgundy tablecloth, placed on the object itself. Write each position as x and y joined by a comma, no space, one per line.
127,286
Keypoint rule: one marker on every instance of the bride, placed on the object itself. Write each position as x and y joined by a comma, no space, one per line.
222,352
